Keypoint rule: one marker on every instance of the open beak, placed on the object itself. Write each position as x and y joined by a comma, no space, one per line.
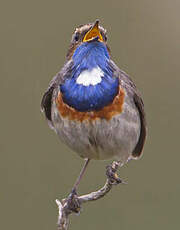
93,33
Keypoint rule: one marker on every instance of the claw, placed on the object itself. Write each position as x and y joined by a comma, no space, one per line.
73,202
112,175
73,192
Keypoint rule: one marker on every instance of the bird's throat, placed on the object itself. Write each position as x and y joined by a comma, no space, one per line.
92,84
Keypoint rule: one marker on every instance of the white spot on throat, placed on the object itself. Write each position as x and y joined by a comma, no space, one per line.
90,77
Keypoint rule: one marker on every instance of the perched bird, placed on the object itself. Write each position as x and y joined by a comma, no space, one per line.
93,106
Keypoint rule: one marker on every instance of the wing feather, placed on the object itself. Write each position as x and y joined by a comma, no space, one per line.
47,98
133,92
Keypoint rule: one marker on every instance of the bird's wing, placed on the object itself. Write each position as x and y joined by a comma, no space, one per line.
133,92
46,104
140,106
47,98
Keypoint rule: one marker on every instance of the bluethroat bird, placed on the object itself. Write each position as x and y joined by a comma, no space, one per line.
92,105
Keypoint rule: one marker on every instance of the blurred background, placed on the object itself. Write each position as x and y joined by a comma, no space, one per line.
35,168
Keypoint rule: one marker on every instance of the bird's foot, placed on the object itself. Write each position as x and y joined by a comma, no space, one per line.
73,202
112,175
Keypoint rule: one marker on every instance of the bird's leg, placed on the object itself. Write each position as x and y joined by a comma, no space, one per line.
111,173
80,175
72,199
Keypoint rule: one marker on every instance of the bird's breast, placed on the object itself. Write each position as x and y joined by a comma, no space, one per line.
89,90
110,132
107,112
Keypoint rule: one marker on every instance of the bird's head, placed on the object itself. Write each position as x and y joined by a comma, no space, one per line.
87,33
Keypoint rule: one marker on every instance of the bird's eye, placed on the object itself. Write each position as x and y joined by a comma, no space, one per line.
76,37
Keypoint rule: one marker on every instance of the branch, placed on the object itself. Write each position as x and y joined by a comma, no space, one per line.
73,202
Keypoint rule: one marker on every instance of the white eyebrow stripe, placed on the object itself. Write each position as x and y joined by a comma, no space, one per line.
90,77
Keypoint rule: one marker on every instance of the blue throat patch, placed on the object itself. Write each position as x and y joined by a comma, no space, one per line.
83,98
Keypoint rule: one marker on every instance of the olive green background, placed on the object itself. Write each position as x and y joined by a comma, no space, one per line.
35,168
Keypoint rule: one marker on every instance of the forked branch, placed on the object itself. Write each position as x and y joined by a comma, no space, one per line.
73,202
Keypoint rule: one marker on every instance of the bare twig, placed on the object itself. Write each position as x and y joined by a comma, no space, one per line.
73,202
